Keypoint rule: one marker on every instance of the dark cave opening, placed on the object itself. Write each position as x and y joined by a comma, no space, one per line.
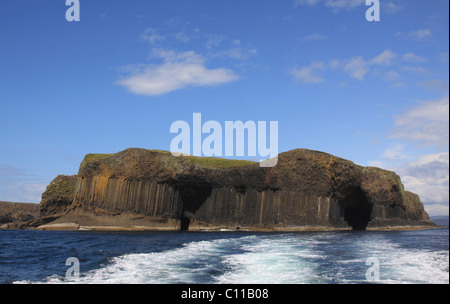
184,223
356,209
193,195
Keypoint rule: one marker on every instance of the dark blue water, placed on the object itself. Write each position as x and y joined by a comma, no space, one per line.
226,257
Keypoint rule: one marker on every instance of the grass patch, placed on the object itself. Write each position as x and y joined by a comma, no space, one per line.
215,162
212,162
61,186
95,157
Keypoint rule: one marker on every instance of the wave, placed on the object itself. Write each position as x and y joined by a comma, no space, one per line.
274,259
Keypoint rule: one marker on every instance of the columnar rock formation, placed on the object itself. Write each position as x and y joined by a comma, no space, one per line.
305,189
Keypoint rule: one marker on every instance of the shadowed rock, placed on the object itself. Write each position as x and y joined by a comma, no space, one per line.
305,189
17,212
58,196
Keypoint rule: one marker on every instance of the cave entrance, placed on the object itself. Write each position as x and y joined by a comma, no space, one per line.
356,209
193,195
184,223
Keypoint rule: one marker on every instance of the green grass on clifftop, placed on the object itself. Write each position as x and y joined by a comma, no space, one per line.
219,162
95,157
212,162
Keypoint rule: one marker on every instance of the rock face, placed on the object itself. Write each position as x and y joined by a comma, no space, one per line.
58,195
55,201
305,189
17,212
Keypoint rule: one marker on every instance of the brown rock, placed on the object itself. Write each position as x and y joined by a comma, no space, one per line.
305,189
17,212
58,196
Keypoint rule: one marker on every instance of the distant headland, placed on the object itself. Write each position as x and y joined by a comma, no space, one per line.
139,189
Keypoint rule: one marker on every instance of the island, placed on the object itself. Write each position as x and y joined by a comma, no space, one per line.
139,189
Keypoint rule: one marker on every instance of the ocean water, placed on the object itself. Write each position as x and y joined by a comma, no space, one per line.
226,257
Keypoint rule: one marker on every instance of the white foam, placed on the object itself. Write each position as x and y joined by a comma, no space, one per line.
399,265
272,259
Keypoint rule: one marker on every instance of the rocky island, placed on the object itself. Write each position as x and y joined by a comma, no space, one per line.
139,189
18,212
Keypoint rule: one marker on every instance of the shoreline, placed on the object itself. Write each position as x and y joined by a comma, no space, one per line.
77,227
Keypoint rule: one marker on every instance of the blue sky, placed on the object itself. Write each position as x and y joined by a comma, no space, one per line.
372,92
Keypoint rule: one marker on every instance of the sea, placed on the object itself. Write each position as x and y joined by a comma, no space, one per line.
225,257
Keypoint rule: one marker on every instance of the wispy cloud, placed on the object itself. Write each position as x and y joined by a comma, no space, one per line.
414,69
435,85
428,176
357,67
308,74
384,58
427,124
436,209
335,5
413,58
347,4
306,2
420,34
395,152
428,173
178,71
388,66
392,7
18,185
180,59
150,35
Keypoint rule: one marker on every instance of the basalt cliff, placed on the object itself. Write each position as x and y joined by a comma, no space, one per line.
17,212
153,190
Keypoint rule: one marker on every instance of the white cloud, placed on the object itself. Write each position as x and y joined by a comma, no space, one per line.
18,185
435,85
23,192
384,59
411,57
420,34
308,74
417,70
178,71
336,5
428,176
151,36
392,8
436,209
214,41
334,64
395,153
306,2
427,124
357,67
182,37
376,163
